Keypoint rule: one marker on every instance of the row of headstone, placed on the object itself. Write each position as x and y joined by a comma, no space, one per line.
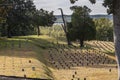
12,44
4,66
104,46
67,59
62,58
74,77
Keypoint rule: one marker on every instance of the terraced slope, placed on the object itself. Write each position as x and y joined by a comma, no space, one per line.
81,64
21,58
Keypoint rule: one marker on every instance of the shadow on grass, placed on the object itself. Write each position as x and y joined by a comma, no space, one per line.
26,48
40,48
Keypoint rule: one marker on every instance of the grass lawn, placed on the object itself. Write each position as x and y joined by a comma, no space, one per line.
30,56
19,55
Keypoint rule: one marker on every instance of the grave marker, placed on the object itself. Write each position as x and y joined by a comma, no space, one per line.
33,68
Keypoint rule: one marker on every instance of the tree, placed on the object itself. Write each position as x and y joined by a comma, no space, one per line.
104,29
65,28
82,26
4,9
43,18
22,17
113,8
18,19
39,20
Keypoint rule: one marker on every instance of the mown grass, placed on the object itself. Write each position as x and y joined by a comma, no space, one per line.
39,45
26,44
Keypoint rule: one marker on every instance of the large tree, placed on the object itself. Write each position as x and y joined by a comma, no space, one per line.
64,26
4,9
43,18
113,8
82,26
104,29
19,18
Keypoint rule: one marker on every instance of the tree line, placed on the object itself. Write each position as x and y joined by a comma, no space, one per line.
22,18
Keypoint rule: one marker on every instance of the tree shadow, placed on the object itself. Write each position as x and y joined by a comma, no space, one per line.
55,55
26,48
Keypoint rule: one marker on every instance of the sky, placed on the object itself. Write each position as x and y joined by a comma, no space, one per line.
53,5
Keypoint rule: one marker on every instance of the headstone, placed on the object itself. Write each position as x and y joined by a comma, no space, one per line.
23,70
116,67
26,41
12,45
5,45
19,44
73,76
29,61
75,72
49,51
78,79
24,76
33,68
85,79
110,70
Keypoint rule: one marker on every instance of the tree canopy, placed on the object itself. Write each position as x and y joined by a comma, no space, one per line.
23,17
113,7
43,18
82,26
107,3
104,29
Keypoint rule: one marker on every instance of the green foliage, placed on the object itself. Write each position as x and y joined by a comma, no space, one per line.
107,3
73,1
4,9
18,19
82,26
55,31
23,18
43,18
104,29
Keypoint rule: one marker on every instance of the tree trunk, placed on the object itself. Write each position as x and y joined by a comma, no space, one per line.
68,40
81,39
67,35
81,43
65,28
3,30
116,17
38,32
9,32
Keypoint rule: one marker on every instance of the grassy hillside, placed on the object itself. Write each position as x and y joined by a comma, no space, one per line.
49,58
23,57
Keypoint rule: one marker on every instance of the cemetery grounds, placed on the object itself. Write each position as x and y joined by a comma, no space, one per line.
47,58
